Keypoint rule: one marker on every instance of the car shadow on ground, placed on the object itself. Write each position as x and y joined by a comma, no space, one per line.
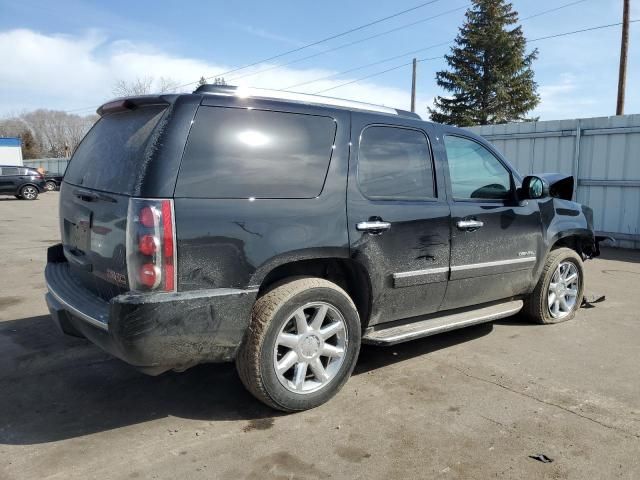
620,254
56,387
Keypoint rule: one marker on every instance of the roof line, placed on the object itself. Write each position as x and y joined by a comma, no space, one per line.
244,92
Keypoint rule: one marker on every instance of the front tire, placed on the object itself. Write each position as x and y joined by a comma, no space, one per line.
301,345
558,294
50,186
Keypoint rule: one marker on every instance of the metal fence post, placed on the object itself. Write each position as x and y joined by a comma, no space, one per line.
576,159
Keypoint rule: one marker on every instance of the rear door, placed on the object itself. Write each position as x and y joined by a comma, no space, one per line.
495,239
106,169
398,216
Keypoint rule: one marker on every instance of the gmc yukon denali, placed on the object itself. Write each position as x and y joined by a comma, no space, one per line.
280,231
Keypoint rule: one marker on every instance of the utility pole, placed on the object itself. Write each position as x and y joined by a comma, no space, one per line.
624,46
413,86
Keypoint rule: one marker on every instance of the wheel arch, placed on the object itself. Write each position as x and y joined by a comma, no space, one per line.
28,184
348,274
580,241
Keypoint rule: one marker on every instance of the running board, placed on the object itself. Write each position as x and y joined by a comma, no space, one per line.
433,325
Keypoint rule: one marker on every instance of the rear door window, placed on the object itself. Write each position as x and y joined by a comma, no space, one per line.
395,164
113,153
242,153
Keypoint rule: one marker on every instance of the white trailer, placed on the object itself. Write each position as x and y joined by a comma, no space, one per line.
10,151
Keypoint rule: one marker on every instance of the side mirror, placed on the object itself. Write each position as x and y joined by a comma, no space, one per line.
534,187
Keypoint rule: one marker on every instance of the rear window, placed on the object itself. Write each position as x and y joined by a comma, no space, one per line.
111,155
242,153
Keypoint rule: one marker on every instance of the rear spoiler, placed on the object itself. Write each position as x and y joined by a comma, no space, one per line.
131,103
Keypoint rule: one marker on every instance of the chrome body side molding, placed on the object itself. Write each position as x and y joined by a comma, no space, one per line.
441,274
491,268
419,277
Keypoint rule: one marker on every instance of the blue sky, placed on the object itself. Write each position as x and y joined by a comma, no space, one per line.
68,54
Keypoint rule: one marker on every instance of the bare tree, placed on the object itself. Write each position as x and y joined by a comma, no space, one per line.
47,132
17,127
167,85
139,86
144,86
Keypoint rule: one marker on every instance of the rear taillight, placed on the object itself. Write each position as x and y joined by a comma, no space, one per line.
151,246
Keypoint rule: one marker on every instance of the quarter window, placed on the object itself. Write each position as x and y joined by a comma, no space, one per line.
395,163
241,153
474,171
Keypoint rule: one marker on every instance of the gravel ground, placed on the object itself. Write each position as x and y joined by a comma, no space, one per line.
475,403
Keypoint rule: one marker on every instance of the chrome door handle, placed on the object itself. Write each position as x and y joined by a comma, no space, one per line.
373,226
469,224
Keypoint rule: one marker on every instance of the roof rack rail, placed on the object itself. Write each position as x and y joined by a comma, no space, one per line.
300,97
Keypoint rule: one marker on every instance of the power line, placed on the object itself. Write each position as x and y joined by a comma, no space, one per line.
416,51
355,42
367,65
369,38
386,32
376,74
401,27
318,42
599,27
544,12
303,47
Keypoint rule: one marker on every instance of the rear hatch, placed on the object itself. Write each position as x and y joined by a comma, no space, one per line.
104,172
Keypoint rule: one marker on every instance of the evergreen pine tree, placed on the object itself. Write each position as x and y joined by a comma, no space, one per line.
490,77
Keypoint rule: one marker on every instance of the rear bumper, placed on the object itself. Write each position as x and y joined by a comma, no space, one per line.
153,332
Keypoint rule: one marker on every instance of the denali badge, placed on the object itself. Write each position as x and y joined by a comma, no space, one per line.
528,253
118,278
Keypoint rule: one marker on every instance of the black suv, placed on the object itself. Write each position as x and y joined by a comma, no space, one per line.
22,182
281,231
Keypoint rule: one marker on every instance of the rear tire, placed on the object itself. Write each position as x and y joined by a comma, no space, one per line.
50,186
29,192
301,345
558,294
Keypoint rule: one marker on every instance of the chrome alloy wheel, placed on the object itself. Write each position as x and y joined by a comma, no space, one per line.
29,192
310,348
563,290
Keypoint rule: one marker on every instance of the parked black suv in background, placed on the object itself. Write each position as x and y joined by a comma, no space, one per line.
280,231
21,182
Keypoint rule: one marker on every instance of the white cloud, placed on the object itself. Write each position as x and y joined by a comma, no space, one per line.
560,100
69,72
265,34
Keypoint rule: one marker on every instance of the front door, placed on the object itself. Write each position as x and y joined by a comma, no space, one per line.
398,217
495,239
